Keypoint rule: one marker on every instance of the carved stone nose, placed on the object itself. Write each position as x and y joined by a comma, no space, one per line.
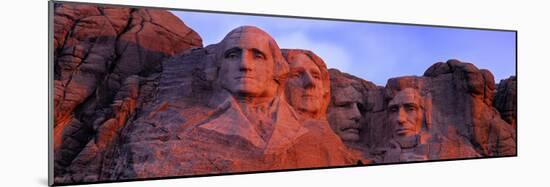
245,62
401,116
356,115
308,81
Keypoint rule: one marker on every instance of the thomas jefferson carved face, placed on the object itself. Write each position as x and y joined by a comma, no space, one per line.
405,114
247,63
345,113
305,85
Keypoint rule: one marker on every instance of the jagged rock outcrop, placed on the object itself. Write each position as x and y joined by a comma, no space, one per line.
99,52
506,100
462,95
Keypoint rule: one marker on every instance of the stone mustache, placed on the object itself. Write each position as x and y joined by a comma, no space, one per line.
245,105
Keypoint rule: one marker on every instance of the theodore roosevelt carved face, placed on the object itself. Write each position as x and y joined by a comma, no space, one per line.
345,113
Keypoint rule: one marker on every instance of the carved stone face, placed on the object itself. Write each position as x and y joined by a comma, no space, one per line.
305,85
405,114
345,113
247,64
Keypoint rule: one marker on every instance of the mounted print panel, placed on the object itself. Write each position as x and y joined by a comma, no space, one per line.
147,93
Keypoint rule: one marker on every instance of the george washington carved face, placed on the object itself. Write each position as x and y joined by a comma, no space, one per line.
247,63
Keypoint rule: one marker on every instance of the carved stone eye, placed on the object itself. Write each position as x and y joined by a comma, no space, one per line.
411,107
232,55
316,76
259,55
393,109
361,107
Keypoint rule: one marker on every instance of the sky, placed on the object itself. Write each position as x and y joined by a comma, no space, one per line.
372,51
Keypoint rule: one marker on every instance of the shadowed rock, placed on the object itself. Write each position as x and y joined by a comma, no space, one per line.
355,113
506,100
414,134
99,51
463,96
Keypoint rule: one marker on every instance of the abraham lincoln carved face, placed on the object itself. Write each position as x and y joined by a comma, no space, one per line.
405,114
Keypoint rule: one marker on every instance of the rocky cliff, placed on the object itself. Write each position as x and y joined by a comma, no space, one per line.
99,51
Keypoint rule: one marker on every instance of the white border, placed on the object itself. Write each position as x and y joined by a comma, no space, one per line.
24,104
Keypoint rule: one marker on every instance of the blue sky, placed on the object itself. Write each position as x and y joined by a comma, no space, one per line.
372,51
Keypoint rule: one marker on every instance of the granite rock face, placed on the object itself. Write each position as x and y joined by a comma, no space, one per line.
308,83
216,123
183,121
455,112
137,96
100,55
355,109
463,95
506,100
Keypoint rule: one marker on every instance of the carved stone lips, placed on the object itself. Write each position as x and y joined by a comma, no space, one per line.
309,96
244,77
403,131
351,129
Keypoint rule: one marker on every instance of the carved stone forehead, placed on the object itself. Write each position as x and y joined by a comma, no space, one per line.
351,95
301,60
407,95
247,37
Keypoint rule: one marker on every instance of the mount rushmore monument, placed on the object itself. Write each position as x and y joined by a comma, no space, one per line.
137,95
